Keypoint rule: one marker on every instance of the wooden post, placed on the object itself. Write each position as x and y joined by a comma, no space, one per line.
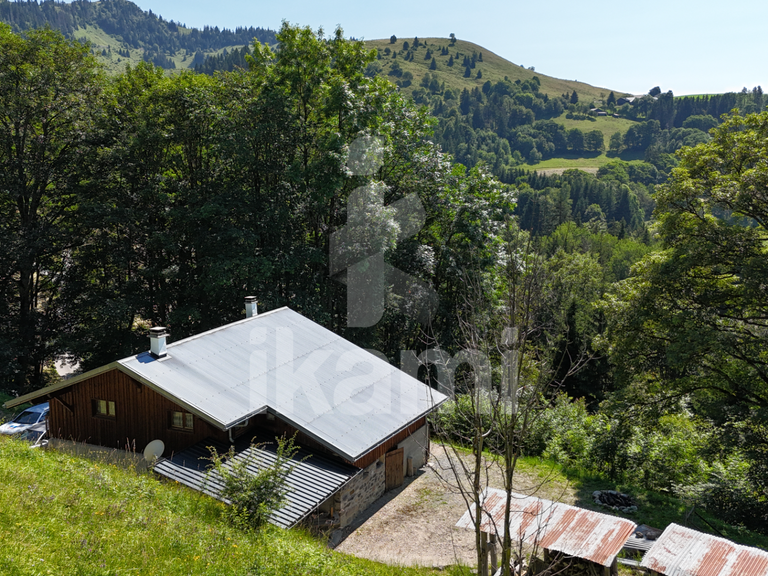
483,554
409,466
494,560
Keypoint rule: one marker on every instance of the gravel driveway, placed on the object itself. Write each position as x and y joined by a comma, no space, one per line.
414,524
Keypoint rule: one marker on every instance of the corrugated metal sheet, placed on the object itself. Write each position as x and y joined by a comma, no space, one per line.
680,551
311,482
339,394
572,531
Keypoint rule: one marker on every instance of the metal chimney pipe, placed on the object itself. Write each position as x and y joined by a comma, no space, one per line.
157,342
250,307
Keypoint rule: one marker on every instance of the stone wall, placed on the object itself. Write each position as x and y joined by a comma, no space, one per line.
360,492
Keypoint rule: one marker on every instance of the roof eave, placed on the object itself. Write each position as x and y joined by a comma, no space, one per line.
48,390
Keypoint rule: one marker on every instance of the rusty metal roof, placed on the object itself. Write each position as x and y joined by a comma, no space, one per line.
680,551
559,527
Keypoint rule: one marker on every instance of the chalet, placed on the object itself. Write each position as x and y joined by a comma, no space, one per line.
361,421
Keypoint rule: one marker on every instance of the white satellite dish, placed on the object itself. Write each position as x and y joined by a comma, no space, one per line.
154,450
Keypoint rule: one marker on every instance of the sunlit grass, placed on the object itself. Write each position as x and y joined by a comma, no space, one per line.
66,515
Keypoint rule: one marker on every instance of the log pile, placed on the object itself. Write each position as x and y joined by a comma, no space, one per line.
615,501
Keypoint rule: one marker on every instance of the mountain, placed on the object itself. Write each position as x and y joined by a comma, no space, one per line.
491,66
120,32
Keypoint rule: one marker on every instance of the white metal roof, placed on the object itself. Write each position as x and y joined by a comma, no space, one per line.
680,551
340,394
573,531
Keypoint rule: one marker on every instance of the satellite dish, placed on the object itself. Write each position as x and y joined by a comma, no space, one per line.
154,450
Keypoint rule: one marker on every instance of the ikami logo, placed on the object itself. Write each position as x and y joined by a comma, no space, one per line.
371,230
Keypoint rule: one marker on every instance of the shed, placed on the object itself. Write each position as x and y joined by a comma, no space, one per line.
680,551
555,527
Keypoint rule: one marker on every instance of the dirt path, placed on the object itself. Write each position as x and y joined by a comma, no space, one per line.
415,524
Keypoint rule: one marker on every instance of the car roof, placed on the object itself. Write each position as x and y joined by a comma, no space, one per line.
38,408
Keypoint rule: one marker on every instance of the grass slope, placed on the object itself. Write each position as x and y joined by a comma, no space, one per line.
66,515
654,508
115,64
493,67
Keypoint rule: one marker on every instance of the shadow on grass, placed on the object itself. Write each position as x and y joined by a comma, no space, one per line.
656,509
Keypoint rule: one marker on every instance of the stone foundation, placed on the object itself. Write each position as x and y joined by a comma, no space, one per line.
360,492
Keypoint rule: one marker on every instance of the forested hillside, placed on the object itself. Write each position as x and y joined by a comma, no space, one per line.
118,29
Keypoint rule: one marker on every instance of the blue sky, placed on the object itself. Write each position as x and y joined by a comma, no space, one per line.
689,47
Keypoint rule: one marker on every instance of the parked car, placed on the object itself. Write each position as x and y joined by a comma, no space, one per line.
26,420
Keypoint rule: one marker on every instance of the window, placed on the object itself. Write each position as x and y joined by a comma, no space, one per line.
182,421
103,408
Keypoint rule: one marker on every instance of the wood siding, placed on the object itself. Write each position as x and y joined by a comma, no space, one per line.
141,415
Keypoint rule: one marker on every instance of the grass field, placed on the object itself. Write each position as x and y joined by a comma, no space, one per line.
493,67
66,515
608,125
587,160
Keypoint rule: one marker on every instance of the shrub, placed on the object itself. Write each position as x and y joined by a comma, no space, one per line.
253,496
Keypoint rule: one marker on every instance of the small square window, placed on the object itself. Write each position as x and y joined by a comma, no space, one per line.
182,421
103,408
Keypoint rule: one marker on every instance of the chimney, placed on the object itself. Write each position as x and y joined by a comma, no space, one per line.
157,342
250,307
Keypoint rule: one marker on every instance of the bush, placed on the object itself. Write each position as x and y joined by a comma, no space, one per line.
253,496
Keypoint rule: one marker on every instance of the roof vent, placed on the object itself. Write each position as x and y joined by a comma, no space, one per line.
250,307
157,342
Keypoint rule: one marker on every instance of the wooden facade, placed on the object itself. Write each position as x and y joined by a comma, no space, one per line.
140,416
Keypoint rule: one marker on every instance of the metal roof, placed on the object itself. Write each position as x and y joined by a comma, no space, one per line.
343,396
313,480
573,531
680,551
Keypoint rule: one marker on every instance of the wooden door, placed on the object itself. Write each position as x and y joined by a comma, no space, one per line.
394,469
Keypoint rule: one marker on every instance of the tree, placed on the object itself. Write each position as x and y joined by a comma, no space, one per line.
611,101
49,99
450,61
479,74
713,231
574,98
406,45
467,72
433,64
576,140
453,39
594,141
392,39
516,323
252,488
614,147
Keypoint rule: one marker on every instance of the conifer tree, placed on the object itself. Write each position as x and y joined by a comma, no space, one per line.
433,65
